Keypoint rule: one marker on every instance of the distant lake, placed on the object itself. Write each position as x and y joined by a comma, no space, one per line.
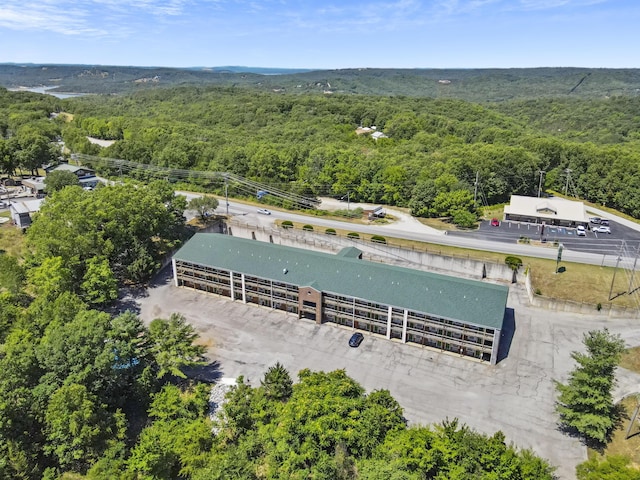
46,90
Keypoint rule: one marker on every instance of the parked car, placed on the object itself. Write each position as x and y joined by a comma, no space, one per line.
604,221
356,339
495,222
581,231
595,220
602,229
264,211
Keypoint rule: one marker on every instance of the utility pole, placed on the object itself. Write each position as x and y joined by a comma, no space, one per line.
348,201
566,186
615,270
633,271
475,190
226,193
542,172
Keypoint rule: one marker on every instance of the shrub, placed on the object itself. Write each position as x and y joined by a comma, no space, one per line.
538,291
353,213
307,228
514,262
330,231
353,235
378,239
287,224
599,306
464,219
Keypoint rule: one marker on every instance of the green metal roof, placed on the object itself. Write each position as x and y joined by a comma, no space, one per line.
470,301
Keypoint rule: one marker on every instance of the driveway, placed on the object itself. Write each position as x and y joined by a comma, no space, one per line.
517,396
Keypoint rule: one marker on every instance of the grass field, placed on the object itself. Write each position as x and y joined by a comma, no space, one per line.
631,359
11,240
620,445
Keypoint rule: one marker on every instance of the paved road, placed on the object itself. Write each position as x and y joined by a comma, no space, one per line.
414,230
517,396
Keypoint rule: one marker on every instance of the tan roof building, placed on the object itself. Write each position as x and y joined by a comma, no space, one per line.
551,211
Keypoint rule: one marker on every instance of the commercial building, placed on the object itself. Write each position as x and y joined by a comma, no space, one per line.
455,315
86,176
551,211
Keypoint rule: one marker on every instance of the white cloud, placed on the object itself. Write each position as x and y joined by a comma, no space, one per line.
84,17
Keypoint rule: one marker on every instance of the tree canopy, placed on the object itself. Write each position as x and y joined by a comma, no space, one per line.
115,233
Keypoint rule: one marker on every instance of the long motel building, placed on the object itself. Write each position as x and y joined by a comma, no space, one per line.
440,312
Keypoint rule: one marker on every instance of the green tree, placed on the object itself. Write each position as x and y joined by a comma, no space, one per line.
11,273
51,278
464,218
277,383
76,352
21,438
10,311
451,203
422,196
58,179
99,285
35,150
585,402
179,439
8,157
614,467
172,345
76,429
204,206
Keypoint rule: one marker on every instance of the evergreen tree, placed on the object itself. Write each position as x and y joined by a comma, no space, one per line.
585,402
277,383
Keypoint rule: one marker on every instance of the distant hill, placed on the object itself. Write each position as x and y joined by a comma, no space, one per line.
478,85
258,70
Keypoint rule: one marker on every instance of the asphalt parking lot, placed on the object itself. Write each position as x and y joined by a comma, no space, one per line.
517,396
592,242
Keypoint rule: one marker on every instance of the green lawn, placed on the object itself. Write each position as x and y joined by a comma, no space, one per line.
631,359
619,445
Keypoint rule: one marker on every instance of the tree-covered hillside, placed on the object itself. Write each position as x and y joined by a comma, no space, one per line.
429,162
477,85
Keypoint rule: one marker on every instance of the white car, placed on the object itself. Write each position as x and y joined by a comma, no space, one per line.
602,229
264,211
580,231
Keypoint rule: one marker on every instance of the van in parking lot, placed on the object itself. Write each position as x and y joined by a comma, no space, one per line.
581,231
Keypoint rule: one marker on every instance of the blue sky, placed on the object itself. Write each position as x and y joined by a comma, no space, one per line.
323,34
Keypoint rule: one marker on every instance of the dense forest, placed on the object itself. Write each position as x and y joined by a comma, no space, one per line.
434,150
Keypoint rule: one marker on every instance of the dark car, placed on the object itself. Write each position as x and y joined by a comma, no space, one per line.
495,222
356,339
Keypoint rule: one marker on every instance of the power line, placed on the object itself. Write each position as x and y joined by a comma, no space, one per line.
238,182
